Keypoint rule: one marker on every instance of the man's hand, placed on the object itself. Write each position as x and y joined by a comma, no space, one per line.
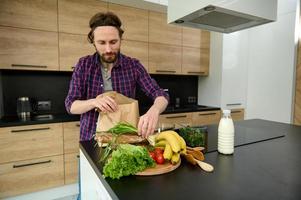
148,122
105,103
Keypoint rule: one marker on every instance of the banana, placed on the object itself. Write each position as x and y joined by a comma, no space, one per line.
161,143
167,152
171,139
180,140
175,158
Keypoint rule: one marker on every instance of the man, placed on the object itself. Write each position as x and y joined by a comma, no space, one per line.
107,70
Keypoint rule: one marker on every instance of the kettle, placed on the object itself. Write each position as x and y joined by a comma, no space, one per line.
24,108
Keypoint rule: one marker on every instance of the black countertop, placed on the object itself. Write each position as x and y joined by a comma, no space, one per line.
40,119
56,118
265,165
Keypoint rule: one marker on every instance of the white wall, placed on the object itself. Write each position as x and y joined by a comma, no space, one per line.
271,66
268,54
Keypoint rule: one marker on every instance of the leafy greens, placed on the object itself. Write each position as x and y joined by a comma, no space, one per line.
127,160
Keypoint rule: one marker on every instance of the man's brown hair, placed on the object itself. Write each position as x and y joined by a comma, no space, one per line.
104,19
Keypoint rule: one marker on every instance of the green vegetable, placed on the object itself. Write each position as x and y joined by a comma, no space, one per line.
193,136
123,127
127,160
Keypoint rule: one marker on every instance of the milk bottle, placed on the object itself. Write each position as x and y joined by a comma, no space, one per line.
226,134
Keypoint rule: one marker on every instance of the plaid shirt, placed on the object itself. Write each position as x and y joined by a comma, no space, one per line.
87,83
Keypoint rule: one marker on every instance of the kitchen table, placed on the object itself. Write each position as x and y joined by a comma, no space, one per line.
265,165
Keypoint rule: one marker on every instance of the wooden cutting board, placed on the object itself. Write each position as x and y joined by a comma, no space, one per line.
159,169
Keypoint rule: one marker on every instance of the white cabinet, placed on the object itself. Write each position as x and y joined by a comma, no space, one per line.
227,84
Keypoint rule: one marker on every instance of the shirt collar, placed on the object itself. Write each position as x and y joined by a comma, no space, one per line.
117,64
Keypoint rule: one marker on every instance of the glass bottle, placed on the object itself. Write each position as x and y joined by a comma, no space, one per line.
226,134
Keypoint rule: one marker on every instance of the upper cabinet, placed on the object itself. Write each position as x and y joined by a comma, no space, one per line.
34,14
134,22
191,37
28,49
74,15
161,32
136,49
72,47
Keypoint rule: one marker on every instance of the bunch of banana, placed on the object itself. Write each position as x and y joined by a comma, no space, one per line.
173,145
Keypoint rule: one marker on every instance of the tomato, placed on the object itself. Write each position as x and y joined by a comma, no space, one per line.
159,159
152,155
158,151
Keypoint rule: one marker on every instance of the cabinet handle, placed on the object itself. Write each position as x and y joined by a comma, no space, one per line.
166,71
178,116
77,125
29,164
35,66
195,72
77,156
236,111
32,129
233,104
72,67
200,114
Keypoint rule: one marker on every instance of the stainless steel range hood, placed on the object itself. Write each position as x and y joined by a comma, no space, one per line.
224,16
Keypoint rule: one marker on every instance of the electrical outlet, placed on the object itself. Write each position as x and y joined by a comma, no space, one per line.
44,105
191,99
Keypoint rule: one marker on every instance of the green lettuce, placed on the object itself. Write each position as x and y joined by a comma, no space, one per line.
127,160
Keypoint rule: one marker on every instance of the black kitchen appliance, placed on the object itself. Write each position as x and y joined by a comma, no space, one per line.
24,108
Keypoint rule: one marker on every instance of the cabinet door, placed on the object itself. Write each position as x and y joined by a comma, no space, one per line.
71,167
175,120
164,59
72,47
205,118
135,49
28,49
71,137
161,32
238,114
31,175
29,142
34,14
191,37
134,22
191,61
74,15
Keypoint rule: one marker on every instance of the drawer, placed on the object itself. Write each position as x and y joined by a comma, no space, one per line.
71,137
175,120
237,114
31,175
71,167
205,118
29,142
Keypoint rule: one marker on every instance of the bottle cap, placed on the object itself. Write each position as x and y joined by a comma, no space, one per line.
226,111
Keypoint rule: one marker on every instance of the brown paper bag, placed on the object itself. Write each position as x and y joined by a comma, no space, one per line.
128,111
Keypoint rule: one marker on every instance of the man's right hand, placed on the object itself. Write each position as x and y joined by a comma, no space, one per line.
105,103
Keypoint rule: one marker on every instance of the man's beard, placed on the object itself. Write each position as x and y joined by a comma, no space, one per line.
109,57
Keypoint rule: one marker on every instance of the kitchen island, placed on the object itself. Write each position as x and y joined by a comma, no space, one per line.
265,165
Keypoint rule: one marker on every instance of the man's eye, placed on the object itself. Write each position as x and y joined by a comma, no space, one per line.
113,42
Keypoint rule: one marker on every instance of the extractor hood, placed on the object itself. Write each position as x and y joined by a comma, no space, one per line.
224,16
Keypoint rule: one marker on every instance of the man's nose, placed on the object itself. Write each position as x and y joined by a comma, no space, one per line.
108,48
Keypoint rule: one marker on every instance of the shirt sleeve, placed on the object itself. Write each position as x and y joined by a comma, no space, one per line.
76,87
148,85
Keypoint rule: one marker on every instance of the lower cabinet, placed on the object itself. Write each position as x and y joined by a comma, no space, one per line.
238,114
175,120
31,175
71,167
206,118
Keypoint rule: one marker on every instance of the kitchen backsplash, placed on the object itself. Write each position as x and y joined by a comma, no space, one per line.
53,87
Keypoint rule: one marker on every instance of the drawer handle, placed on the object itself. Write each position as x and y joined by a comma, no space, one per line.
236,111
166,71
32,129
233,104
77,125
200,114
190,72
72,67
77,156
36,66
29,164
178,116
